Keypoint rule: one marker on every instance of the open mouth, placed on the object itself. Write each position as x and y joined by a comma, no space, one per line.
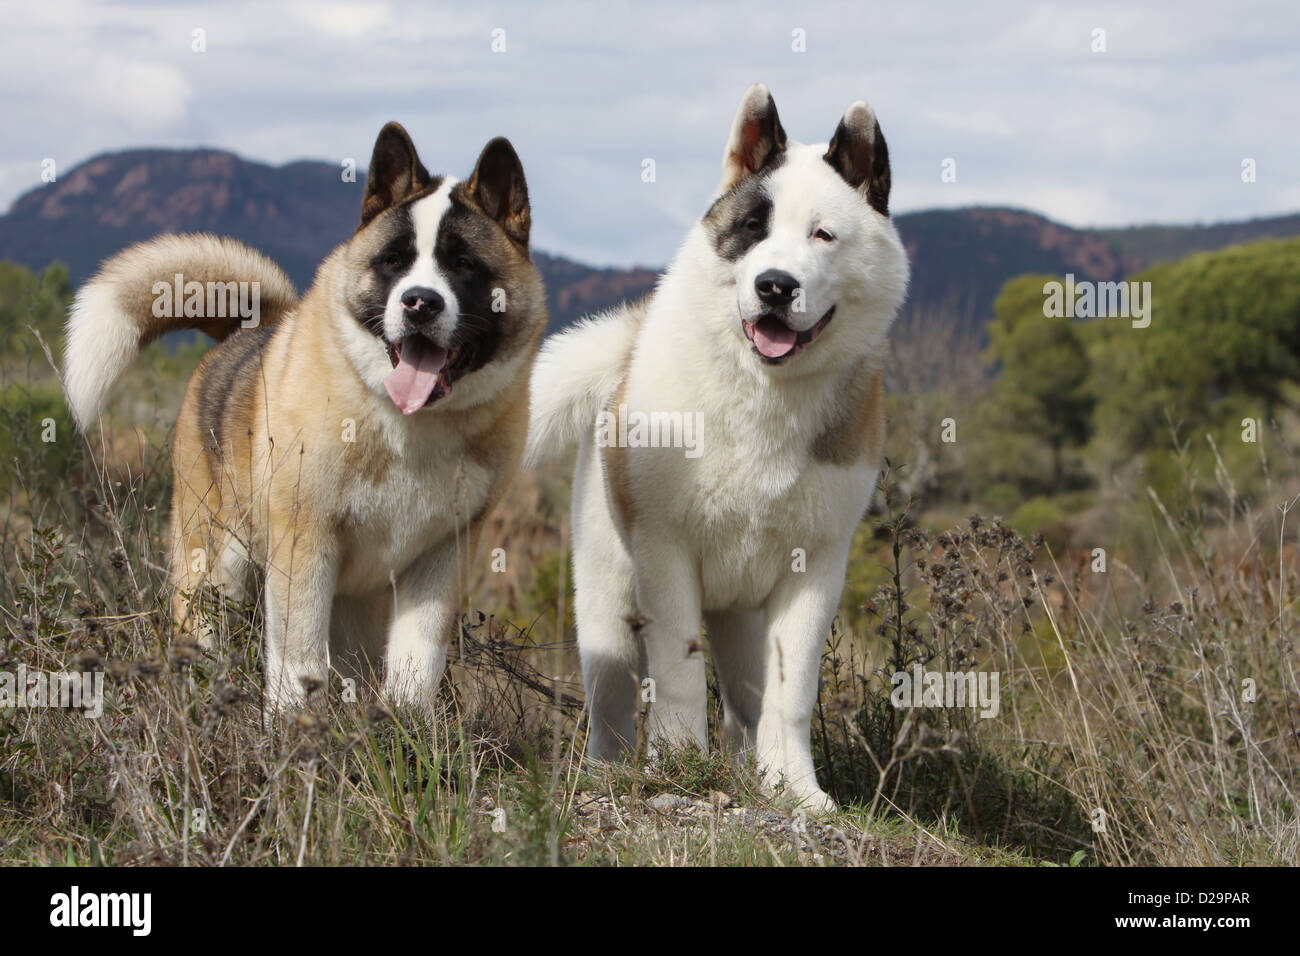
775,342
423,372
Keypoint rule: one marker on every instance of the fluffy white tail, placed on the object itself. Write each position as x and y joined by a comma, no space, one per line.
575,374
120,311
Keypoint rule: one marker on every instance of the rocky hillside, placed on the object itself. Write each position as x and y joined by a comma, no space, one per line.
296,212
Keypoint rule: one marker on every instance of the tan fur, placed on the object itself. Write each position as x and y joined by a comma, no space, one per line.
618,480
367,533
131,301
283,466
617,475
198,257
858,428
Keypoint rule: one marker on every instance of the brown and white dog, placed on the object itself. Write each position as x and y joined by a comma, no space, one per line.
349,446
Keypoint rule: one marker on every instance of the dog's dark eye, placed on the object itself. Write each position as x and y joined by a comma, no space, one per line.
390,261
825,235
753,224
464,263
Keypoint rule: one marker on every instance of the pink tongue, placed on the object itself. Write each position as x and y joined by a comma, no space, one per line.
772,338
412,382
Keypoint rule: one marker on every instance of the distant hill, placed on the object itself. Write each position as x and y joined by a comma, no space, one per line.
296,213
293,213
1161,243
961,257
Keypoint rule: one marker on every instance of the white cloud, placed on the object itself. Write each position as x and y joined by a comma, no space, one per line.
1152,130
146,96
342,18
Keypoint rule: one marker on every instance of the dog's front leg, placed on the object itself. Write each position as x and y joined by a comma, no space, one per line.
668,598
424,618
300,580
799,615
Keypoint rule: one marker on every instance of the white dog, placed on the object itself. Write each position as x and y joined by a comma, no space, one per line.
767,334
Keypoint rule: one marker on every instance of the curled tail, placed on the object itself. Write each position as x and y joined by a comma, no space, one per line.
576,373
143,292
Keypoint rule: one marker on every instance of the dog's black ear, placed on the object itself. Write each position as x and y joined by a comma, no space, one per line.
858,153
499,188
395,172
757,137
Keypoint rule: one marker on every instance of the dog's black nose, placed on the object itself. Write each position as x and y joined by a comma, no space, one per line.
776,287
421,304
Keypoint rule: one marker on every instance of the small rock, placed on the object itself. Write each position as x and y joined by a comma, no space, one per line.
668,801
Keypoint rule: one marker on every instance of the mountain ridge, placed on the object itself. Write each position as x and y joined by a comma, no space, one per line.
297,212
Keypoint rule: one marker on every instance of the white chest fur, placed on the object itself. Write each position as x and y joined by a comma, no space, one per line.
424,498
754,505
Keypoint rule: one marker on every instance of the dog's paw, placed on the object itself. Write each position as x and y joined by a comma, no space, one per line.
816,803
809,803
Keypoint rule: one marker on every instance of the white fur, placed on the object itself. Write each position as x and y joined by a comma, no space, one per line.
369,355
429,494
102,343
426,215
432,488
712,537
424,611
809,197
382,547
103,339
574,375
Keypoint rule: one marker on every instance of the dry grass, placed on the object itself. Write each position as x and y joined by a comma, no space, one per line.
1120,692
1142,722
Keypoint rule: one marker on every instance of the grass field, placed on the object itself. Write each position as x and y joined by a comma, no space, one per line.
1147,713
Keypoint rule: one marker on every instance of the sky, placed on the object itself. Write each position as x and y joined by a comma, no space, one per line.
1016,99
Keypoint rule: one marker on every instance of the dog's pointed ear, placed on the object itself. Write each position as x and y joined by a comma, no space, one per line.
858,153
499,188
757,137
395,172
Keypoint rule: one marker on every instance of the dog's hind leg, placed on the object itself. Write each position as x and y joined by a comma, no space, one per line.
203,552
611,655
736,642
605,610
196,557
